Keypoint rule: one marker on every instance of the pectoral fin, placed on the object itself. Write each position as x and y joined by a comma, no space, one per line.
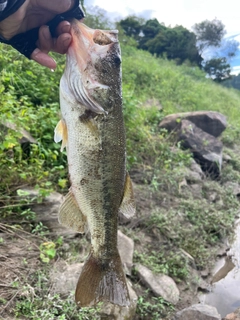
61,134
128,207
70,215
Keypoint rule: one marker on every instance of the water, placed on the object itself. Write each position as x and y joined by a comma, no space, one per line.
225,294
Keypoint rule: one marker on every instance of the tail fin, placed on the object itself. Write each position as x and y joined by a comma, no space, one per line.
102,281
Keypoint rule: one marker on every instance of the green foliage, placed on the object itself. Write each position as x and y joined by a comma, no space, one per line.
132,26
53,307
96,18
152,307
233,82
176,43
209,33
28,104
172,264
218,69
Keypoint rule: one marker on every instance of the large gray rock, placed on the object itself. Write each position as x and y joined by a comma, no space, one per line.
206,149
160,284
198,312
126,248
211,122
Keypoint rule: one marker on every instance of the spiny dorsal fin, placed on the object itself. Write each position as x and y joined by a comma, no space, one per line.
70,215
61,134
128,207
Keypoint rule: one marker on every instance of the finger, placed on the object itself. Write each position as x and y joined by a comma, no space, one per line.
63,27
62,43
44,59
45,41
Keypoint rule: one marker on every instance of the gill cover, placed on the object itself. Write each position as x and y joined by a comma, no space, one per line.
88,46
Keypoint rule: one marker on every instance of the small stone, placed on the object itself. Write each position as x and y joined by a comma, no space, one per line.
126,248
198,312
160,284
226,157
195,167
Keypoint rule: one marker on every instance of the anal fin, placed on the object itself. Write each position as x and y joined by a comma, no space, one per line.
70,215
128,207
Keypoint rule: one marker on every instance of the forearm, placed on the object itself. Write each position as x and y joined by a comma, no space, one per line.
8,7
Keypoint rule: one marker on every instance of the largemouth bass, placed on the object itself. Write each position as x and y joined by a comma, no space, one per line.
92,130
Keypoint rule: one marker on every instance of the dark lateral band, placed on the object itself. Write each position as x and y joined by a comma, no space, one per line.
26,42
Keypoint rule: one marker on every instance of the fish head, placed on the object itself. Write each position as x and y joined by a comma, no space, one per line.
93,66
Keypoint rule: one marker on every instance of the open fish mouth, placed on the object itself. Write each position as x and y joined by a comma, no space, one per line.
84,64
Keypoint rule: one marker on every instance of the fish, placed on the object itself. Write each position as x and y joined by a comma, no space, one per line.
93,132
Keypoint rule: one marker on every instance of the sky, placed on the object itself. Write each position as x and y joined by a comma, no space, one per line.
179,12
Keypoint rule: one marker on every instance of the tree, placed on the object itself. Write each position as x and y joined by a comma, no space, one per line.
211,42
176,43
132,26
218,69
209,33
96,18
149,31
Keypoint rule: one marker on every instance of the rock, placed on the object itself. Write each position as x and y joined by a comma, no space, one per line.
160,284
192,176
25,138
212,196
233,316
47,211
234,187
63,279
196,190
206,149
211,122
25,135
115,312
126,248
198,312
195,167
226,158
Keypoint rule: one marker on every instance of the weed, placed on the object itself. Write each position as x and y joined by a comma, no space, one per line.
54,307
153,308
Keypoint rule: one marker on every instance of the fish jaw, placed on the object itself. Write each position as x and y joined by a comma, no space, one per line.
83,81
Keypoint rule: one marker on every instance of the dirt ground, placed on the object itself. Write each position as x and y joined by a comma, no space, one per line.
19,257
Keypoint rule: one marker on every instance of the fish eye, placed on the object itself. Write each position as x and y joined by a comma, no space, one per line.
117,60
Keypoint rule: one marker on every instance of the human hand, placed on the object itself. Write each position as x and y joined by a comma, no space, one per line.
36,13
